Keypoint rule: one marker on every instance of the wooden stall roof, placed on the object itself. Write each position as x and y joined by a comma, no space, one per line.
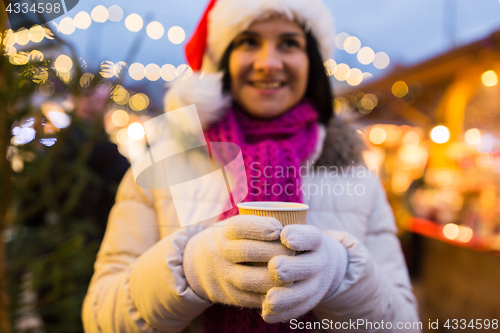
429,83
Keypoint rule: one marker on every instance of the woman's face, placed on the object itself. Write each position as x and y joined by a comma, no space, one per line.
269,67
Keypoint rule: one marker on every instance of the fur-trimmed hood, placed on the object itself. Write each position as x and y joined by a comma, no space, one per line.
342,144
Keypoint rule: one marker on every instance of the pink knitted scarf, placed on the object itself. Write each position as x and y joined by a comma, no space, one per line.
282,143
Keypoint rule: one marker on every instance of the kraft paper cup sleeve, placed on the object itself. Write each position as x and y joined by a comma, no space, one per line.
285,212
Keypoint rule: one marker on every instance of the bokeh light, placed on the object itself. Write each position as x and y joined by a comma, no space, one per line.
120,95
107,69
393,133
48,33
377,135
115,13
110,69
139,102
399,89
440,134
153,72
82,20
155,30
352,44
354,77
117,68
48,142
49,106
36,55
23,135
367,103
176,35
341,72
137,71
464,234
451,231
20,58
37,33
489,78
17,163
412,157
59,119
168,72
67,26
65,76
134,22
120,118
367,76
9,38
340,39
22,36
411,138
374,157
366,55
27,122
330,65
136,131
10,51
86,79
99,14
473,136
122,137
63,63
184,70
381,60
486,143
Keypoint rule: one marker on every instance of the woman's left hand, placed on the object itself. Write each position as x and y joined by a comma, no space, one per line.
317,271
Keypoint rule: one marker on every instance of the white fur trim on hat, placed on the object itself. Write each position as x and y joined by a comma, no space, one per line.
230,17
205,91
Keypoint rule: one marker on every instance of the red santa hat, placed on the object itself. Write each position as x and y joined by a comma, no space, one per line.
221,22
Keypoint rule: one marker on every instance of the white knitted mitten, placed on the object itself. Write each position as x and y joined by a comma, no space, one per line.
316,274
214,260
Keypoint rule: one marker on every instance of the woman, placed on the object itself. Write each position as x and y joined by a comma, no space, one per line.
267,57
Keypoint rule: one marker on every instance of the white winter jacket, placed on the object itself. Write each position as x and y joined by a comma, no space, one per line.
139,284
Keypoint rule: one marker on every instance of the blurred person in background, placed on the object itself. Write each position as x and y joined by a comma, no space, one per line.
259,82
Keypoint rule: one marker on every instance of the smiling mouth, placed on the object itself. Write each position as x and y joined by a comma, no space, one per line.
267,85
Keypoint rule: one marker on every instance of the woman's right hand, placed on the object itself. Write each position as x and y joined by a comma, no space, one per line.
214,260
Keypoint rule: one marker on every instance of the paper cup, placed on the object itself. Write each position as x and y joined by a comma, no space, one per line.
285,212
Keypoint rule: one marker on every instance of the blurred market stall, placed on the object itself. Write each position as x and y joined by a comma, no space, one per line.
434,131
